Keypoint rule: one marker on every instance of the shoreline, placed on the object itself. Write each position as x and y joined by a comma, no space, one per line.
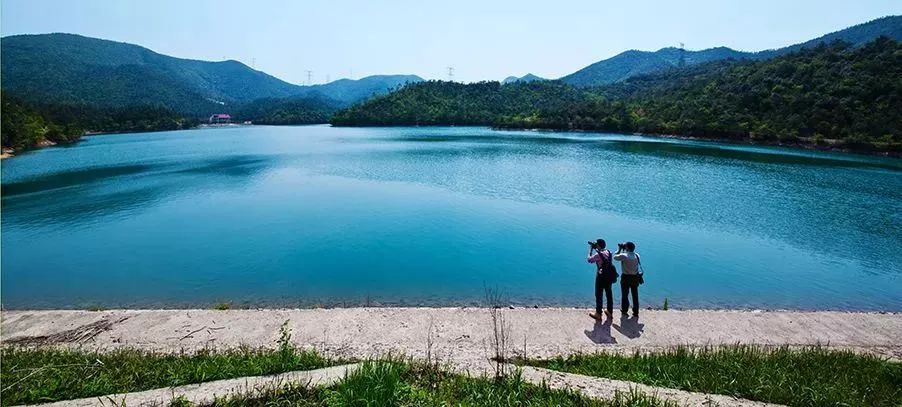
794,145
777,143
234,306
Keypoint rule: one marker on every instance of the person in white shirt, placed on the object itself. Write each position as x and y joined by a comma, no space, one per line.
629,276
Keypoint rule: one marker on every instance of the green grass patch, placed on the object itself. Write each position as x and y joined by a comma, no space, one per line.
797,377
222,306
394,383
42,375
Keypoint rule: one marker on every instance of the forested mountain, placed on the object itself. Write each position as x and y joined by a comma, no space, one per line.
68,68
448,103
295,110
830,92
632,63
856,35
525,78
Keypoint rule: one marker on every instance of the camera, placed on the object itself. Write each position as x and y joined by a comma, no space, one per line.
592,244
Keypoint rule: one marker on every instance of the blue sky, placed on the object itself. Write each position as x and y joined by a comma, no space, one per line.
482,39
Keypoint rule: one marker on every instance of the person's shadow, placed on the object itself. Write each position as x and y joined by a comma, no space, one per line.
630,327
601,332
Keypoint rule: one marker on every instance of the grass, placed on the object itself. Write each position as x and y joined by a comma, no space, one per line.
42,375
803,377
394,383
222,306
37,375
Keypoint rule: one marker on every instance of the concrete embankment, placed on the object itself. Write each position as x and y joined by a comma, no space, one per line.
460,334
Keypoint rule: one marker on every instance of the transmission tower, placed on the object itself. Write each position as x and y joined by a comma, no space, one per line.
309,76
682,55
450,74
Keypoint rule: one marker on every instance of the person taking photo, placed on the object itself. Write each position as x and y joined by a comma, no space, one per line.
631,277
605,276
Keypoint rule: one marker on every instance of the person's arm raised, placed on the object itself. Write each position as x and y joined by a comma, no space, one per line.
592,258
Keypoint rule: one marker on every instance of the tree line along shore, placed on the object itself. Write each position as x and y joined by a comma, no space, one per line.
833,96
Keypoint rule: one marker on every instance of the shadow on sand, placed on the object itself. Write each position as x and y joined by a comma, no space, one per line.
630,327
601,332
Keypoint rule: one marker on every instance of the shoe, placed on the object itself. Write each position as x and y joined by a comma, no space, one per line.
608,314
595,316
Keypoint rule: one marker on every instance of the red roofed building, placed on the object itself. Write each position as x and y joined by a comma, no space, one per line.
220,118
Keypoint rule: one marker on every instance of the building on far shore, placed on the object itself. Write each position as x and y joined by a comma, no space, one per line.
220,118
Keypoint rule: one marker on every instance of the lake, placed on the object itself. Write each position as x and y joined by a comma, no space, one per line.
315,215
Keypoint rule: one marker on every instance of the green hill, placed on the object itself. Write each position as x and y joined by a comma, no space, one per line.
310,109
450,103
525,78
68,68
830,92
632,63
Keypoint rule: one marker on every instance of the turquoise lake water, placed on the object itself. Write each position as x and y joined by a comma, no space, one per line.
289,216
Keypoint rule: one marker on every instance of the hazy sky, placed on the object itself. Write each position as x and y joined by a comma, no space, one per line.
481,39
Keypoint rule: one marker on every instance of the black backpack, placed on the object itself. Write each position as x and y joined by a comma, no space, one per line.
608,271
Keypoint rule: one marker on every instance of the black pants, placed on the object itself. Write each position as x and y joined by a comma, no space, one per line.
603,288
629,284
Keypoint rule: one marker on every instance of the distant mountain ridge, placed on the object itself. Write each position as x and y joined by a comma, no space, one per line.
348,91
632,63
525,78
70,68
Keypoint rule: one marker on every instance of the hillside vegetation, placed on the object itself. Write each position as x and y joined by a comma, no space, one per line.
73,69
830,92
26,125
634,63
301,110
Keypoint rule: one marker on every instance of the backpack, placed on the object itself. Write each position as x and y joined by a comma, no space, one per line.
607,270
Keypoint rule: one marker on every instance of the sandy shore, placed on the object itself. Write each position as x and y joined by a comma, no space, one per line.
459,334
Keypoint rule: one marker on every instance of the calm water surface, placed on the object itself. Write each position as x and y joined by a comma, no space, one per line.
403,216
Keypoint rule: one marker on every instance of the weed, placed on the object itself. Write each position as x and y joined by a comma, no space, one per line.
31,375
809,376
500,336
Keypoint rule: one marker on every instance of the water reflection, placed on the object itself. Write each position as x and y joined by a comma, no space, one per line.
81,196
